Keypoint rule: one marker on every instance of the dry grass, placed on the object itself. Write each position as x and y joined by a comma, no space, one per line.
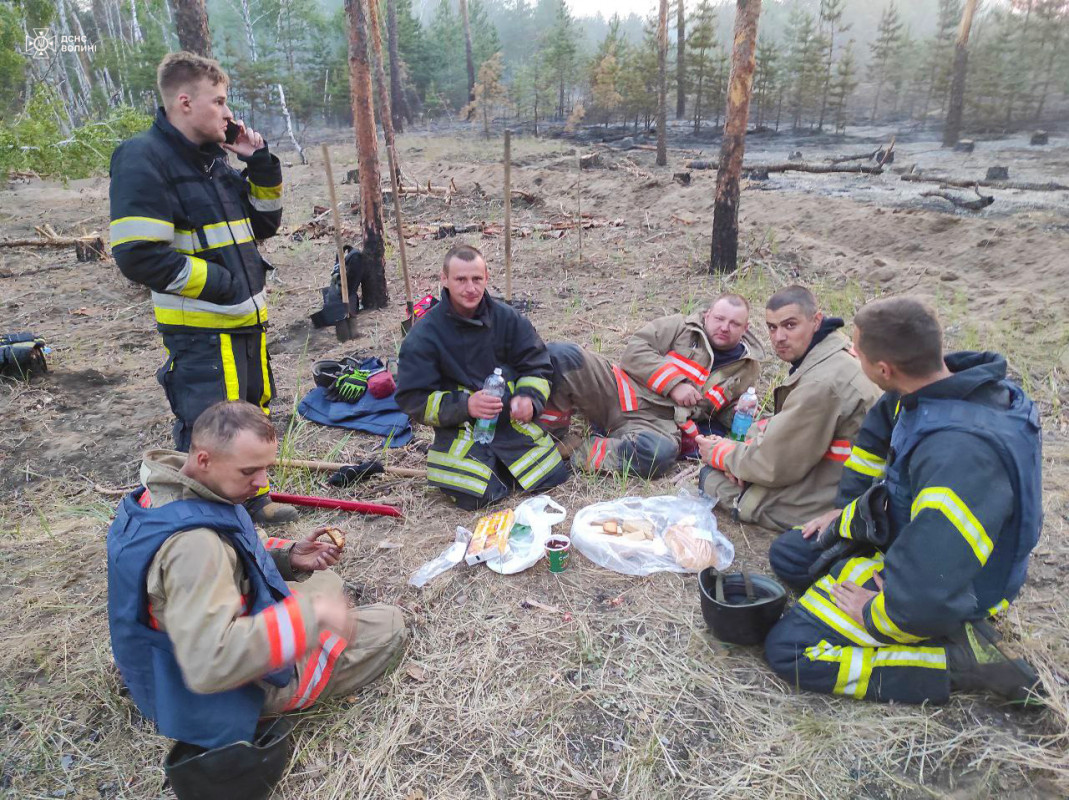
622,700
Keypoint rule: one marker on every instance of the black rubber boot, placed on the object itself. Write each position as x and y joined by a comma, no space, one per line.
976,663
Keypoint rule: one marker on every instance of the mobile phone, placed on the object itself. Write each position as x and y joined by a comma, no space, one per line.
232,131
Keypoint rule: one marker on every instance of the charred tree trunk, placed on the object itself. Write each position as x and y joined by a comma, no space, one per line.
398,107
740,85
952,129
467,50
681,72
191,20
662,84
373,287
385,109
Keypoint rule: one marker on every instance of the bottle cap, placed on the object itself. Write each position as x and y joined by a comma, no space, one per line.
497,370
751,389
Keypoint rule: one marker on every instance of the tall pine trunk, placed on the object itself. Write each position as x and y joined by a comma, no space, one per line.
191,20
662,84
952,128
467,50
681,72
373,287
725,250
398,106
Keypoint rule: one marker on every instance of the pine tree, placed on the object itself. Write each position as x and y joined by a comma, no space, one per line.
561,47
804,65
490,93
885,51
702,45
603,88
842,86
830,21
766,80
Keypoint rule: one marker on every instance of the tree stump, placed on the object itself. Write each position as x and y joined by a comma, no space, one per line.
884,157
682,178
756,174
590,160
352,176
794,155
1039,137
997,174
964,146
89,249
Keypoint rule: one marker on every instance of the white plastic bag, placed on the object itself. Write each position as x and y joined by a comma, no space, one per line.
633,557
539,514
449,558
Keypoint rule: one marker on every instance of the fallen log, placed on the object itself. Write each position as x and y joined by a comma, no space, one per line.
961,183
982,201
792,167
86,248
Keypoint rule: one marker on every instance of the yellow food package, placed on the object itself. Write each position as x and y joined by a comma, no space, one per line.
491,537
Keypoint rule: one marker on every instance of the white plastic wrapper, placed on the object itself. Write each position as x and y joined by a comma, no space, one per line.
449,558
693,540
539,514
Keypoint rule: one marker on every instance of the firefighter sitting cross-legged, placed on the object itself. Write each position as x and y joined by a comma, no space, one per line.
442,366
787,470
897,587
212,628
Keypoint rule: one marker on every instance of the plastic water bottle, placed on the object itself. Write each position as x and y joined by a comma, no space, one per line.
484,428
745,410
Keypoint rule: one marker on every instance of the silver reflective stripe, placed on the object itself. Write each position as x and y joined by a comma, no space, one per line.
218,234
265,205
184,241
321,664
182,278
140,229
179,303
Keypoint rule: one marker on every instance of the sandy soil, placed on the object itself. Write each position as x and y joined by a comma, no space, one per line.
635,692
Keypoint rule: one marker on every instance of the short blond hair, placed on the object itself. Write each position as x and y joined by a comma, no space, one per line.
181,70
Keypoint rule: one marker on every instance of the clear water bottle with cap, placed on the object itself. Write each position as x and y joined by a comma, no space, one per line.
745,411
484,428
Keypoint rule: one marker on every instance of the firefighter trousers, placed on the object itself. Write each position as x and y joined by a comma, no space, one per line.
341,663
204,368
818,647
475,475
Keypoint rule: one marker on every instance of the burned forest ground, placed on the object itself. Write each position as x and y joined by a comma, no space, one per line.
609,686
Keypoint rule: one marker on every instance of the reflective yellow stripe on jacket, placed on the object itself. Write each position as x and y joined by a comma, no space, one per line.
174,309
539,461
265,198
865,462
946,500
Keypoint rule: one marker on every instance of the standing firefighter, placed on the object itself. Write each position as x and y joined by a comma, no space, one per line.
676,372
442,366
185,223
897,588
787,470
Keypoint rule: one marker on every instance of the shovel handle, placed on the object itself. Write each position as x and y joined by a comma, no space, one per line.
333,503
342,272
334,466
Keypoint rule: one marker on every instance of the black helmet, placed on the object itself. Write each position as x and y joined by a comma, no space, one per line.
739,607
325,372
246,770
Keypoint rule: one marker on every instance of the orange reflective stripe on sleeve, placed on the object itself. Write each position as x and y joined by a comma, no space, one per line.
285,632
145,501
551,416
692,369
659,380
274,543
717,397
628,398
839,451
689,428
720,452
317,670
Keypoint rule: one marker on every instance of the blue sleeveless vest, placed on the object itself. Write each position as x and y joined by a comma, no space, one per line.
145,657
1014,434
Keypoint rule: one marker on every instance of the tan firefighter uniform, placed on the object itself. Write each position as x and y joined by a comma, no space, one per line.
630,402
792,462
196,588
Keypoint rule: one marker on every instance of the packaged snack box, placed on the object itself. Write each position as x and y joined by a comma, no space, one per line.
490,540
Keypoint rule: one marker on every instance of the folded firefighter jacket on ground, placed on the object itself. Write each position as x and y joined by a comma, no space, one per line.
369,414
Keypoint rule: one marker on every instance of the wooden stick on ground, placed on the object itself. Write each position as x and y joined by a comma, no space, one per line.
334,466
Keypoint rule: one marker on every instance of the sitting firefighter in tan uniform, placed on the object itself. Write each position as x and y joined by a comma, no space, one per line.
788,469
676,372
213,628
